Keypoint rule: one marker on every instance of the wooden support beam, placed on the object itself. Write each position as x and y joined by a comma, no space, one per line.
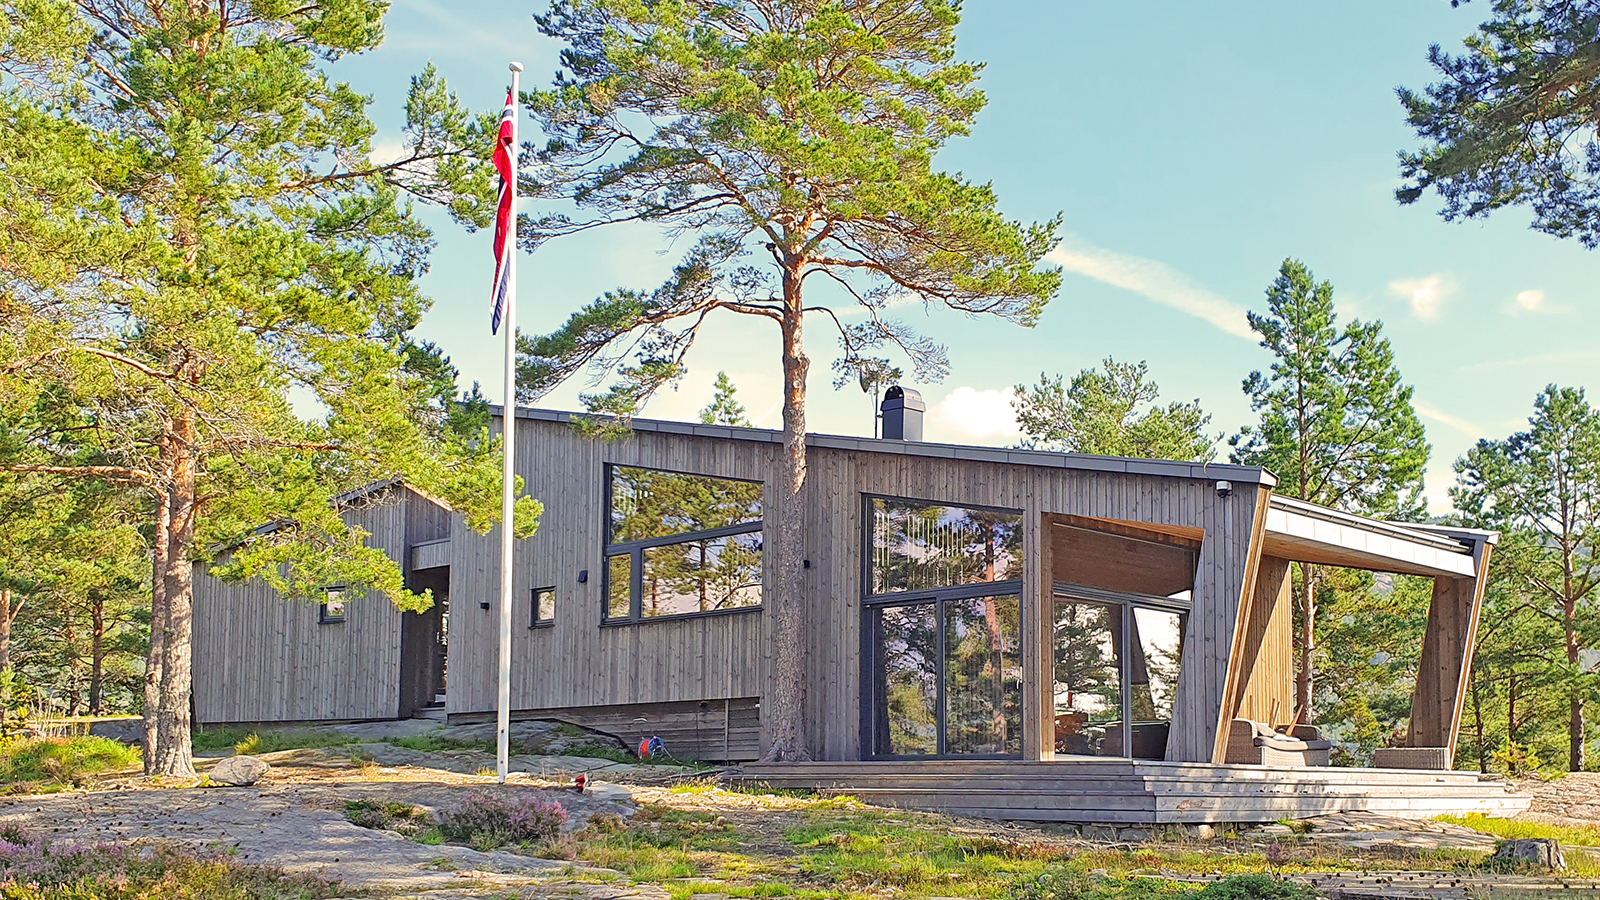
1260,667
1233,677
1446,666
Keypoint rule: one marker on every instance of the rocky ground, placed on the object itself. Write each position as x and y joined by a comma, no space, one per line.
294,818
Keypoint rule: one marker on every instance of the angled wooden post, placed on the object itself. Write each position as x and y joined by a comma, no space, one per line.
1446,666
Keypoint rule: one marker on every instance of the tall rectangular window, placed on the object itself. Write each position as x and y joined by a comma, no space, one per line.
681,544
943,630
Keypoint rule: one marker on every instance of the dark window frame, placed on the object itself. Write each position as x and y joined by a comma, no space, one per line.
1125,602
534,621
324,617
938,597
634,550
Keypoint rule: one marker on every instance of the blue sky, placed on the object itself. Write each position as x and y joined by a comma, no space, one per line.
1190,148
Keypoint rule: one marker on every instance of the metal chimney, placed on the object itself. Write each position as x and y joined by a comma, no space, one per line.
902,414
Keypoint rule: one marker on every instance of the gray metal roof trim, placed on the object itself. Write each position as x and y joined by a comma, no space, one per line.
1406,530
1043,458
1460,534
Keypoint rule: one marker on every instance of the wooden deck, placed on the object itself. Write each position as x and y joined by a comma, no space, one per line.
1096,791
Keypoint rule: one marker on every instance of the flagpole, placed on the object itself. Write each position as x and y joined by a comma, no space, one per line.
508,429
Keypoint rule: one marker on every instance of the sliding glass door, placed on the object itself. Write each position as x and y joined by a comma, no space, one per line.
1117,660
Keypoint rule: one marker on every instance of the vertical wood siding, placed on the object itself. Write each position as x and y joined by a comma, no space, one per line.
261,658
580,663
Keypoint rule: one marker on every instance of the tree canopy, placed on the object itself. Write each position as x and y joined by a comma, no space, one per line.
1337,427
1111,411
794,141
1541,487
1512,120
195,231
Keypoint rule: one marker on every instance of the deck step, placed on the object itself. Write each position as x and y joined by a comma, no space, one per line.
1137,792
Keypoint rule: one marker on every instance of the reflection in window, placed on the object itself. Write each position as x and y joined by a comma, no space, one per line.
1154,657
681,544
1095,713
618,584
1088,678
907,680
544,607
921,546
703,575
649,504
982,676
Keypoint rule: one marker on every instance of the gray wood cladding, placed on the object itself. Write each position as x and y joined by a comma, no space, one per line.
577,662
580,663
261,658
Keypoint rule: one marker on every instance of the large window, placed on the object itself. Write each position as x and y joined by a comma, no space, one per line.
942,630
680,545
1117,659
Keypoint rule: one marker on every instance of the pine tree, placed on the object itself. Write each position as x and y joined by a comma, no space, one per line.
1337,427
724,408
1111,411
1512,120
1541,487
194,228
796,141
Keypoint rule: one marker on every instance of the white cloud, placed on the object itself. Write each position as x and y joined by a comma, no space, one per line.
1155,281
1444,418
967,413
1539,359
1426,294
1532,303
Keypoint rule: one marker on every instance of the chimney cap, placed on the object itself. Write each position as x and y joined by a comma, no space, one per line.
897,397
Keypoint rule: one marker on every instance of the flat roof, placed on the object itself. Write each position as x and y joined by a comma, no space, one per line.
1254,475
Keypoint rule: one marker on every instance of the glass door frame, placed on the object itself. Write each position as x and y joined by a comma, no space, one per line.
1126,603
870,653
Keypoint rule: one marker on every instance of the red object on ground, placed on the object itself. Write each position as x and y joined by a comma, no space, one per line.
578,784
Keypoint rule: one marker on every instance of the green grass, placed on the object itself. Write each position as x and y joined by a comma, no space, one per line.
53,763
835,848
428,743
1576,835
252,741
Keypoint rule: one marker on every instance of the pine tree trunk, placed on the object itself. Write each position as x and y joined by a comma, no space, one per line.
1477,715
6,616
1575,748
1305,677
788,550
97,651
158,619
172,721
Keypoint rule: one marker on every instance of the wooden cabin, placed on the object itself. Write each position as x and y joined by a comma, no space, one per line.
1038,626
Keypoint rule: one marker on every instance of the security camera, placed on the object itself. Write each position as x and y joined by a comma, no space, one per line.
1224,488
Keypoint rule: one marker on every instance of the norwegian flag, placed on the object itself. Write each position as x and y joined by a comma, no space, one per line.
505,217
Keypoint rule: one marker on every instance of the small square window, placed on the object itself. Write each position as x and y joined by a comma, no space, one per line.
544,607
332,609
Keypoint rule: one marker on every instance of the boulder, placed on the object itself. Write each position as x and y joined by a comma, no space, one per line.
239,771
1543,853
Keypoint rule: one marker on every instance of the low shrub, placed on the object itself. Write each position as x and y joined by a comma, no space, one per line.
63,760
34,870
1070,884
403,818
491,820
